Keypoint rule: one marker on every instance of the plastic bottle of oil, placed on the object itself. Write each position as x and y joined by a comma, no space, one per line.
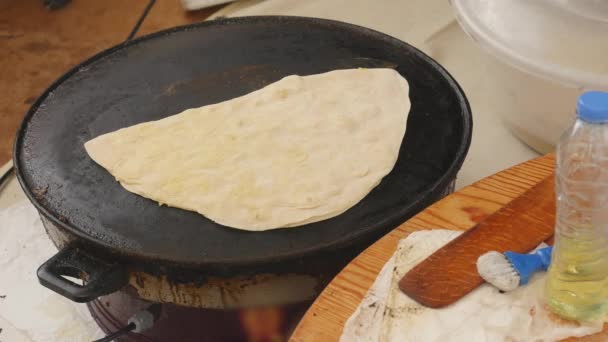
577,284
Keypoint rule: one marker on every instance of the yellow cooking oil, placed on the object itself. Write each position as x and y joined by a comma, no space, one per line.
577,282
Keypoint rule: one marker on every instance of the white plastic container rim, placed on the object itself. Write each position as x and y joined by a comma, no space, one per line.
490,23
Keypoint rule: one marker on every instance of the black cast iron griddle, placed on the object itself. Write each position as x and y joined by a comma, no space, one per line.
165,73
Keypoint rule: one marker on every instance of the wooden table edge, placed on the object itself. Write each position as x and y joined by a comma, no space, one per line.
325,319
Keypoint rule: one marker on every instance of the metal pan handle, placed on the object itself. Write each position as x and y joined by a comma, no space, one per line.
99,277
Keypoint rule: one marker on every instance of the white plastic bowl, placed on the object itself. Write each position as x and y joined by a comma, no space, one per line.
541,55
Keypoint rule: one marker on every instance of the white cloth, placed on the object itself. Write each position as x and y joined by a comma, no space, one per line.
28,311
387,314
192,5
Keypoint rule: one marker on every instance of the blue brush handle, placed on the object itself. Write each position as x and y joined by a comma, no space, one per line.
527,264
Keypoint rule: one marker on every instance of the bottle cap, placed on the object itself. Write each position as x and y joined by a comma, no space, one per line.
592,106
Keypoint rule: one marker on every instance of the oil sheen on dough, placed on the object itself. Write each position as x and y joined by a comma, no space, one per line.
300,150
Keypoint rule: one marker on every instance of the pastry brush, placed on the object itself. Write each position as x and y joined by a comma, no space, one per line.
508,270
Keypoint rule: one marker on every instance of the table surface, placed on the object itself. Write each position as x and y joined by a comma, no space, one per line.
39,45
459,211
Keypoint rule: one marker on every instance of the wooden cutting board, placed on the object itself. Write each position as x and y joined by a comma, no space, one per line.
459,211
451,272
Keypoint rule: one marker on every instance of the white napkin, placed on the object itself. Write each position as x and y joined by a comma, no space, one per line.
28,311
386,314
192,5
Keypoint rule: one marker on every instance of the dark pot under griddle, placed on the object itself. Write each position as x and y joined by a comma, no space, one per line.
118,241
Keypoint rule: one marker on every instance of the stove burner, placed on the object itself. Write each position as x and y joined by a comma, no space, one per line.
180,323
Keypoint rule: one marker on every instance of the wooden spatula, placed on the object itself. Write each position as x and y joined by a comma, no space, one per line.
451,272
